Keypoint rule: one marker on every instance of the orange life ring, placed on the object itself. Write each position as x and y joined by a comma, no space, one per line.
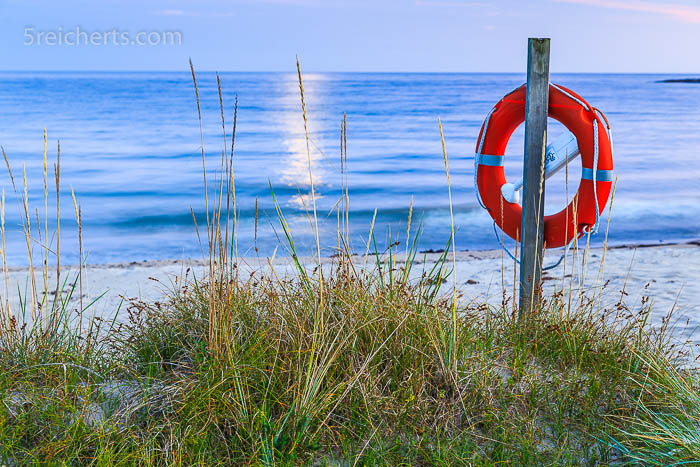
583,121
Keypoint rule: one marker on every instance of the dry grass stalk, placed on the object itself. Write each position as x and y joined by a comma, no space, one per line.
210,231
223,171
454,251
231,196
370,236
204,168
27,237
79,220
408,240
222,240
566,219
45,249
347,184
311,178
255,228
57,176
599,278
43,309
9,169
4,267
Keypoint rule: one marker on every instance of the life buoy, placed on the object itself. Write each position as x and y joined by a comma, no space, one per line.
585,123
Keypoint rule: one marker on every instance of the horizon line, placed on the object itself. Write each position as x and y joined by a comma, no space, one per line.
352,72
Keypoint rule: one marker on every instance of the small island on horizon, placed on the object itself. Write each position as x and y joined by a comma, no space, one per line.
680,80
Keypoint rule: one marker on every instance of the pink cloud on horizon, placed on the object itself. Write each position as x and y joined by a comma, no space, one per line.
684,13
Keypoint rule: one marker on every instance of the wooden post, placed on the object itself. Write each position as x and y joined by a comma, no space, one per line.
532,229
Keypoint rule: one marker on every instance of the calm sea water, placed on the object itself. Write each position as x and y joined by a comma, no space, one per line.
130,148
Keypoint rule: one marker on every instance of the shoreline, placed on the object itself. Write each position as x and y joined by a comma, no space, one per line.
282,257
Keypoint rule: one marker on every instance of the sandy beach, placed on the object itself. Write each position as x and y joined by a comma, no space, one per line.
666,273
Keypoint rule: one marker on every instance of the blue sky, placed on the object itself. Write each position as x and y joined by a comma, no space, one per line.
359,35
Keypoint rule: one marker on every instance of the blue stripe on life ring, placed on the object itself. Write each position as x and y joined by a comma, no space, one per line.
493,161
601,175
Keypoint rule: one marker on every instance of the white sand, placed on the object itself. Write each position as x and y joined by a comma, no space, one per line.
668,274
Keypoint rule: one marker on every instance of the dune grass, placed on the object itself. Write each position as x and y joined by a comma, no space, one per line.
351,370
361,360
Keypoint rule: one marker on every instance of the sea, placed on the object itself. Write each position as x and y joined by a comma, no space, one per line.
131,152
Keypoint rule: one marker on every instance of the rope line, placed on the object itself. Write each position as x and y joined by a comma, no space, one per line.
477,156
594,229
570,96
546,268
500,241
607,126
598,116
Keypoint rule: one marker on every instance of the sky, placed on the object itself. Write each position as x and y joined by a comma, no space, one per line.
611,36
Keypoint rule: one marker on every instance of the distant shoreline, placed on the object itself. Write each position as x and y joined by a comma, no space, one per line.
680,80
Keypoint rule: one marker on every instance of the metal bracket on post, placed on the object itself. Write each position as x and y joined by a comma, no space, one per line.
532,228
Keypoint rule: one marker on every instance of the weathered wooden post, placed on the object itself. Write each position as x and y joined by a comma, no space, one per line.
532,229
